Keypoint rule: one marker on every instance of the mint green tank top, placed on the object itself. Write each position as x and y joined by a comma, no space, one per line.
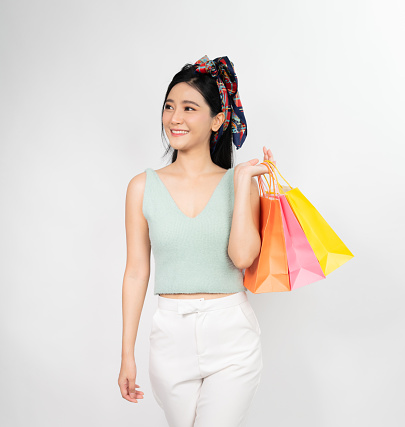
191,254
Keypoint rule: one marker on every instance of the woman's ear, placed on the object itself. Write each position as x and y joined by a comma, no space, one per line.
217,121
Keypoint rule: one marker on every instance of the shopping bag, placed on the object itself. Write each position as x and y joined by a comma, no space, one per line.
303,266
329,249
269,271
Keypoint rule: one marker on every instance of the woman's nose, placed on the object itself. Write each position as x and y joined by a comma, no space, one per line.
177,116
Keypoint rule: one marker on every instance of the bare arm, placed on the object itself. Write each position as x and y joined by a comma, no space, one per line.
244,239
137,271
135,283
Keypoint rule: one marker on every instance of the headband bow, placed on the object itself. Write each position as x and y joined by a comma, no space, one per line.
222,70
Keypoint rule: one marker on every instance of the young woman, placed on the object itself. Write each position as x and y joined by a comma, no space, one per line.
200,217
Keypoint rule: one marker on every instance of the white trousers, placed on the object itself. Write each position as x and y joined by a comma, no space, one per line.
205,360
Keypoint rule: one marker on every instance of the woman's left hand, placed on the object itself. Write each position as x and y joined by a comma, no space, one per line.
251,168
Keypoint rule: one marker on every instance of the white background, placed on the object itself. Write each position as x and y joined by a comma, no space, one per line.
82,86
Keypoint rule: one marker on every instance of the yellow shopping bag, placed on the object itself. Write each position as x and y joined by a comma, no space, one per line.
329,249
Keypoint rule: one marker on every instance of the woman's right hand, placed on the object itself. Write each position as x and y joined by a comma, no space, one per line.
126,381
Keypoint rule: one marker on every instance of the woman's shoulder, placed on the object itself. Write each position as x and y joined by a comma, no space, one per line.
136,185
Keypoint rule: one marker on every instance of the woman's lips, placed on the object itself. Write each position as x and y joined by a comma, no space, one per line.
174,133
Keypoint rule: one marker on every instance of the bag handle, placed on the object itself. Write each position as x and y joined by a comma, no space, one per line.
274,179
269,163
266,190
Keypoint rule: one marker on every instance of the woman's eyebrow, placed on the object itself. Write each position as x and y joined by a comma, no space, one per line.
184,102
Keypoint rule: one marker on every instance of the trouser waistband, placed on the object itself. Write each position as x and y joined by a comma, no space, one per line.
195,305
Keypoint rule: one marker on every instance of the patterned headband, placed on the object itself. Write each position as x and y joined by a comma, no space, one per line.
222,70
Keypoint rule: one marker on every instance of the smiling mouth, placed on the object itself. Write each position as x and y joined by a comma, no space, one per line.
178,132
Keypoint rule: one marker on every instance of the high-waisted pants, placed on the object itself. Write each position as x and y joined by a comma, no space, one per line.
205,360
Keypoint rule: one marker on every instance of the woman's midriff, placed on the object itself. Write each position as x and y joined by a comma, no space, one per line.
195,296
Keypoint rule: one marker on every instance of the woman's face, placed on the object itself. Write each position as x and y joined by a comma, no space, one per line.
186,110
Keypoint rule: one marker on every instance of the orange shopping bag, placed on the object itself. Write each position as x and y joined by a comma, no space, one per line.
269,271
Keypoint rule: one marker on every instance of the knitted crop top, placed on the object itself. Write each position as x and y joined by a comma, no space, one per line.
191,254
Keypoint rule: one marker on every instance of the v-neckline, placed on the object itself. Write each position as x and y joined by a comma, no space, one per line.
175,204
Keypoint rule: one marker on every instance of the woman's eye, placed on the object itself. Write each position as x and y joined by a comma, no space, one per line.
167,106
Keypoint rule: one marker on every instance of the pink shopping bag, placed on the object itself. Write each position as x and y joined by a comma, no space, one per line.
303,265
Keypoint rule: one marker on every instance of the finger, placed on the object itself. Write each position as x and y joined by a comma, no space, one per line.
130,399
125,394
139,393
271,157
131,388
265,153
123,389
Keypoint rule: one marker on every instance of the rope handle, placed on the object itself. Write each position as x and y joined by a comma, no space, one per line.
266,190
273,166
273,183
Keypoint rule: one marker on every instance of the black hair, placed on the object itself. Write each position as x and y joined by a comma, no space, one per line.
207,86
